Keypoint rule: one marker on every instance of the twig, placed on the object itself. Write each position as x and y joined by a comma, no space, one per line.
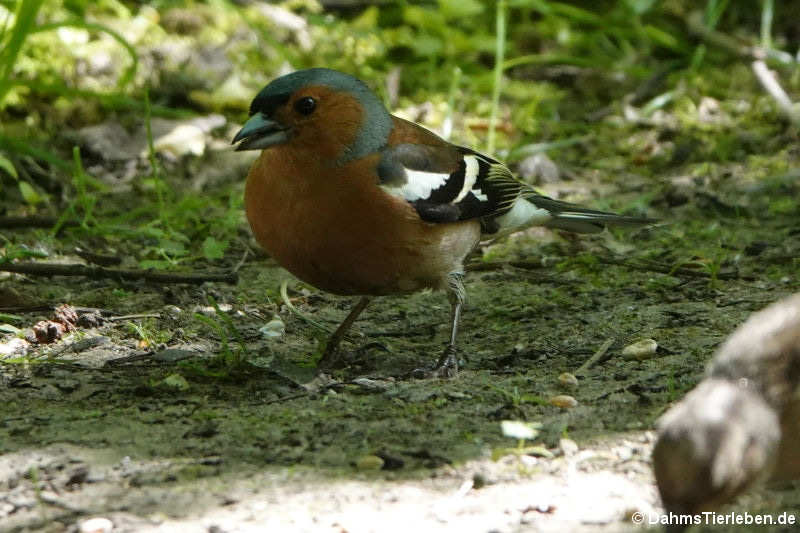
16,309
128,359
285,398
596,357
49,269
50,307
499,265
648,267
644,91
240,264
672,271
774,89
131,317
98,259
35,221
697,27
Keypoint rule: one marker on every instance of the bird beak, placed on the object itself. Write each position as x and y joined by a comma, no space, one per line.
260,132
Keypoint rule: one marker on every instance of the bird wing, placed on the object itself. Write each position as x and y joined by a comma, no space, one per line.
447,183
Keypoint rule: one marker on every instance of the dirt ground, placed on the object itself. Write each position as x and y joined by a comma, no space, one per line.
145,421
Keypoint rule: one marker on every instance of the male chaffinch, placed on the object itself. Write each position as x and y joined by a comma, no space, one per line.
356,201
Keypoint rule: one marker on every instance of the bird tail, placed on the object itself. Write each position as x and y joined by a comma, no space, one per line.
572,217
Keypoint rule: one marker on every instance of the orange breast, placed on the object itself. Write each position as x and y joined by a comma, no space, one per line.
333,227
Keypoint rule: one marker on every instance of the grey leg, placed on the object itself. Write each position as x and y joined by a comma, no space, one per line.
447,365
333,342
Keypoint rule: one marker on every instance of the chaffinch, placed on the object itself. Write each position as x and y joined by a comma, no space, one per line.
356,201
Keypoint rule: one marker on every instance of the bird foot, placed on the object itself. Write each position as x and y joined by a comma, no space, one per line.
446,367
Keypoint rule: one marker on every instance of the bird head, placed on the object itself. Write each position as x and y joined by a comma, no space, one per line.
325,111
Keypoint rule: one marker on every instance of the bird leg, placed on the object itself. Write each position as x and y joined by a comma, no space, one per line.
328,356
447,364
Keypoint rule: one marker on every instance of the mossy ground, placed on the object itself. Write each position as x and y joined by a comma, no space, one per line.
228,420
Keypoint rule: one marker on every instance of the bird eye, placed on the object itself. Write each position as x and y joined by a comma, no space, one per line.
305,105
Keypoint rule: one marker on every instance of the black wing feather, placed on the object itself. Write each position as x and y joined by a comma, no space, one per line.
492,192
434,180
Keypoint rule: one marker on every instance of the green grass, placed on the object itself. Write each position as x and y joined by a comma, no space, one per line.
474,60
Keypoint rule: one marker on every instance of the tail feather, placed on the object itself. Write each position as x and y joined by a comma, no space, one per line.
572,217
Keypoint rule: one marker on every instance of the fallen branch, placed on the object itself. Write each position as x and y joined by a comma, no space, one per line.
698,28
647,267
673,271
774,89
133,317
49,269
16,309
481,266
595,358
35,221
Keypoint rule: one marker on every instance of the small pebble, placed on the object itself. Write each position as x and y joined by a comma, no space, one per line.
274,328
370,385
643,349
624,453
568,447
96,525
568,380
563,401
209,310
173,310
369,462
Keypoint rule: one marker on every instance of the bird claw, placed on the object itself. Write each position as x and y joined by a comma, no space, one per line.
446,367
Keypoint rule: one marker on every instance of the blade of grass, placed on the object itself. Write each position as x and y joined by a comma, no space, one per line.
499,55
447,126
24,21
573,13
714,11
14,145
151,152
767,11
549,59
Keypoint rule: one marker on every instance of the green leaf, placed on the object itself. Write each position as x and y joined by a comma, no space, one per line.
172,247
427,46
5,164
455,9
6,317
214,249
29,194
155,264
175,382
